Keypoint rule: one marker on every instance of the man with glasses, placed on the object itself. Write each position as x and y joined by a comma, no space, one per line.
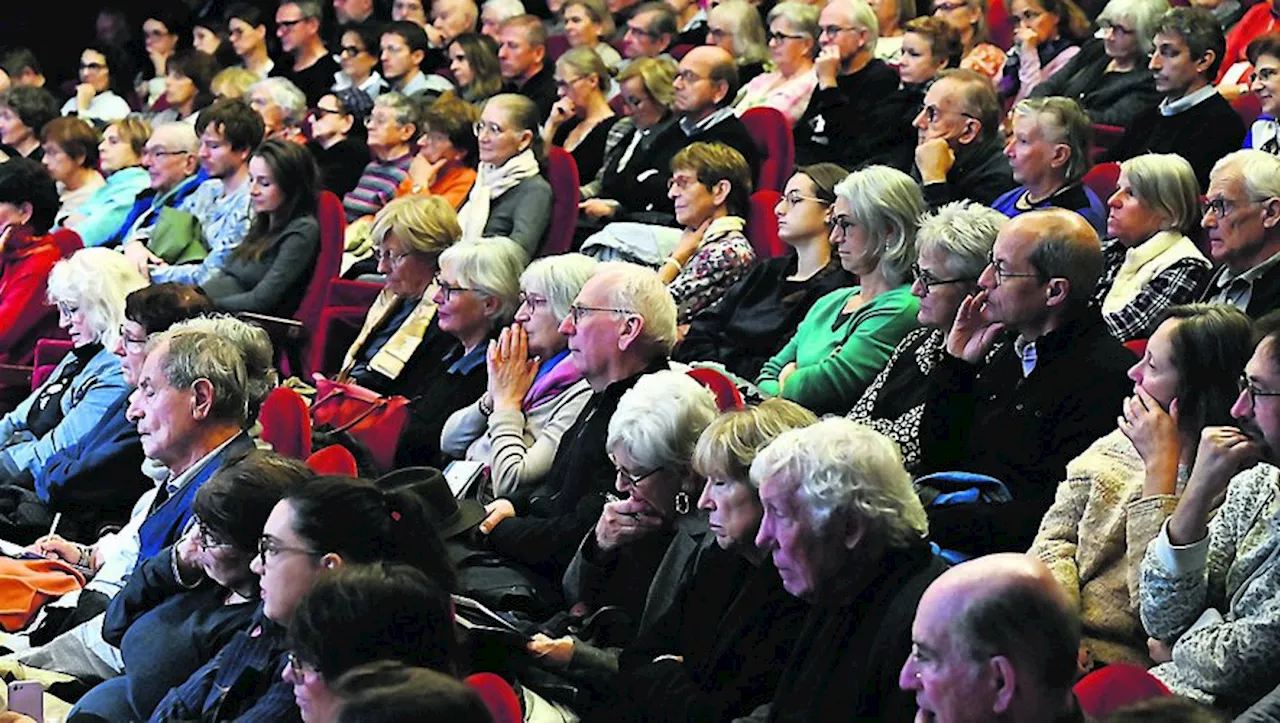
705,85
621,326
1209,581
1020,413
298,27
173,167
1193,119
848,121
340,155
649,32
1242,221
959,150
522,55
393,127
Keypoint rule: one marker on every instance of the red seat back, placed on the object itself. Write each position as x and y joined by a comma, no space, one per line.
772,134
48,353
562,174
556,46
334,459
762,224
67,241
727,395
1102,179
1109,689
498,696
333,226
999,29
286,423
1105,138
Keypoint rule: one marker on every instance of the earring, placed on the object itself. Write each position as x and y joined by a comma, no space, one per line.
682,503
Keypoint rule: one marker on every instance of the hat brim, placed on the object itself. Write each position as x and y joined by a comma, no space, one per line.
470,513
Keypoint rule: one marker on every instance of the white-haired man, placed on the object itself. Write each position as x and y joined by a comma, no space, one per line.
1242,220
621,326
849,536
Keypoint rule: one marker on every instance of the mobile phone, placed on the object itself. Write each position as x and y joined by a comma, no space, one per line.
27,697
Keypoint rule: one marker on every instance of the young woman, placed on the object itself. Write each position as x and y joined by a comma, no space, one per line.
586,24
247,28
104,85
473,60
163,36
270,269
793,43
209,36
1048,35
120,157
188,86
71,158
581,119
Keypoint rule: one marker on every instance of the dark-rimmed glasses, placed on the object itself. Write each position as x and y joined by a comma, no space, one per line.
928,280
577,311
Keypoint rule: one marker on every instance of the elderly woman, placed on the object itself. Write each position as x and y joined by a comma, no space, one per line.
28,201
849,536
955,246
120,157
892,16
1119,492
1151,263
509,197
232,83
581,119
735,26
1264,54
764,307
1048,152
477,290
473,60
167,621
104,85
848,335
89,290
793,43
734,622
445,164
1047,36
969,18
24,111
408,236
282,107
188,85
1110,77
588,24
71,157
535,393
710,185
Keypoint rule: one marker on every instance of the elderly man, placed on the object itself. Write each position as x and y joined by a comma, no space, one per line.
621,326
959,150
1020,414
994,639
171,160
1242,219
449,19
195,398
393,127
1192,120
650,31
1210,581
847,535
705,86
847,120
522,56
298,28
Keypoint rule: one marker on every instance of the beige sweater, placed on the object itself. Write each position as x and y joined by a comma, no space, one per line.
1093,539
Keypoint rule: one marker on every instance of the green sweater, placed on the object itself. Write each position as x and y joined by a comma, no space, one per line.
834,366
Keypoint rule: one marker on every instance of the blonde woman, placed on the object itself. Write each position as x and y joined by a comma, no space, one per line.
581,119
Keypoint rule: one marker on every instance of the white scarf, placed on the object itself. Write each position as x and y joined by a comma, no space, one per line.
491,182
1143,263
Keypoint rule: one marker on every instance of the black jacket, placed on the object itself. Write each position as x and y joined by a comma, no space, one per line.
851,124
1201,134
1112,99
981,173
541,89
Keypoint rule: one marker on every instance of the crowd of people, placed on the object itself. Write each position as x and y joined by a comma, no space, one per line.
990,437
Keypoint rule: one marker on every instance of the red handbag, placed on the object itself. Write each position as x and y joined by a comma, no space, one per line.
368,417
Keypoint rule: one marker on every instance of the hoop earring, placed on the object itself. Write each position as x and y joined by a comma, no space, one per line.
682,503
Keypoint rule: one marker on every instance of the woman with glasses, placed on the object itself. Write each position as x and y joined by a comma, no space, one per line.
164,33
735,25
969,18
510,198
100,96
358,56
477,292
793,44
473,60
445,164
534,391
1109,77
1047,36
762,309
1150,261
1119,492
954,245
324,524
1264,55
179,608
581,119
849,334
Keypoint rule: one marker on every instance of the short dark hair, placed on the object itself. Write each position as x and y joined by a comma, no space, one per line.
726,73
1027,625
390,692
1265,329
663,21
1199,30
236,121
76,137
120,67
1268,44
455,118
235,503
370,35
19,59
357,614
34,106
250,14
1211,345
200,68
414,36
944,40
160,306
23,180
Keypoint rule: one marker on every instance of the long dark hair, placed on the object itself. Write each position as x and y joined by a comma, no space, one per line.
293,171
119,69
482,54
1210,347
199,68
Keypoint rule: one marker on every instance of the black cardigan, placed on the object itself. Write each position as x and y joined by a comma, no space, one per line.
851,124
1112,99
1201,134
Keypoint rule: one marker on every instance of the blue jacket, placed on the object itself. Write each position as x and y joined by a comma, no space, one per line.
149,199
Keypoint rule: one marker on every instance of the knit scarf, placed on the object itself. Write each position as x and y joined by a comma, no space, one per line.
559,376
1144,262
491,182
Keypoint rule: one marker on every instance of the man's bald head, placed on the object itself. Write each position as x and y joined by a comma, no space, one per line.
1066,246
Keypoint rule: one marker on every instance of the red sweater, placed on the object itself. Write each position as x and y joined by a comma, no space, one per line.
1257,21
24,314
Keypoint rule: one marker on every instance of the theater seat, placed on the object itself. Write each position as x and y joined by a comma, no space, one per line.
286,423
334,459
498,696
48,353
998,25
346,304
727,395
1104,139
1102,179
762,225
67,241
772,134
1111,688
562,174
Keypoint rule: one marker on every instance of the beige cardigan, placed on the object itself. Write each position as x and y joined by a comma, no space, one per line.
1093,539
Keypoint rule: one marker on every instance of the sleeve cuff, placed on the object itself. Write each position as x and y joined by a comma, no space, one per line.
1179,560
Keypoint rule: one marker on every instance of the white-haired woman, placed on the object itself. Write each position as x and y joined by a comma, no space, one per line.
735,26
954,245
1110,77
1151,263
89,290
848,335
848,535
477,291
494,12
535,393
282,107
793,44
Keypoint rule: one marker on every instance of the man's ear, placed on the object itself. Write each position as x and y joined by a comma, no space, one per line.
1004,683
1206,61
1057,291
972,131
722,92
1271,212
631,331
202,399
418,57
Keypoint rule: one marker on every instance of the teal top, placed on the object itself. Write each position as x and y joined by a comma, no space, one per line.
102,214
836,358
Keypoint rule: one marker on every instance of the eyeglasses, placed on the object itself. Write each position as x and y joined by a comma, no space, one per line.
269,548
795,198
1248,389
681,183
531,301
928,280
688,76
948,7
577,311
492,129
1117,28
380,254
831,31
162,153
93,66
773,37
641,31
350,51
1222,207
932,113
156,33
373,120
288,24
134,345
843,223
319,112
447,291
206,540
1263,75
568,82
297,668
633,480
1001,274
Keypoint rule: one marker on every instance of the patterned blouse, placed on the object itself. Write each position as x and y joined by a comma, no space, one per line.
722,258
986,59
